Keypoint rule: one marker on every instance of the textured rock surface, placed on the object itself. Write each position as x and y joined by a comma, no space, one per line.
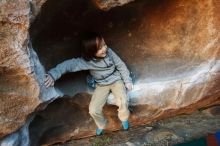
172,47
19,91
49,126
108,4
164,132
20,70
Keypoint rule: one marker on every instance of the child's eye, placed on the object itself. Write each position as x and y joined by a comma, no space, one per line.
104,46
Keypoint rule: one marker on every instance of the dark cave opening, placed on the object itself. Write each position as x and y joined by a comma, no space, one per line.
140,32
57,31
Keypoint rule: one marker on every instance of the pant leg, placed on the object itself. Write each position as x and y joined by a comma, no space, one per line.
119,91
97,102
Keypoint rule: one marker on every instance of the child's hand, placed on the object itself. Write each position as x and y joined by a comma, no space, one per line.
129,86
48,81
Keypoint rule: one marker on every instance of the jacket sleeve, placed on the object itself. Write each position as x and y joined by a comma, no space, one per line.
121,67
71,65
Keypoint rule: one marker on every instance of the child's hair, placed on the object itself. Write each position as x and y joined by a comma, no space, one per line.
90,45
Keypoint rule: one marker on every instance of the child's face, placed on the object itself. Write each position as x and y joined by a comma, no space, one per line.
101,53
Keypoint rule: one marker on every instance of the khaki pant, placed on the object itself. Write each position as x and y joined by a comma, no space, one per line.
99,99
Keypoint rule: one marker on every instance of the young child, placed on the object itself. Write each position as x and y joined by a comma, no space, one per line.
110,74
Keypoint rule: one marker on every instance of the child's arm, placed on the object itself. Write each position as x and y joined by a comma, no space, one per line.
121,67
71,65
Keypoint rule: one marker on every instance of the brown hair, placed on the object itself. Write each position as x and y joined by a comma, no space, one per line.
90,45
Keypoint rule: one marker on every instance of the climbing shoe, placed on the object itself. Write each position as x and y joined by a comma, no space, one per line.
99,131
125,125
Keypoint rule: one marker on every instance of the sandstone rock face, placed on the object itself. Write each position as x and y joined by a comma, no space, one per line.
20,70
19,91
108,4
171,47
